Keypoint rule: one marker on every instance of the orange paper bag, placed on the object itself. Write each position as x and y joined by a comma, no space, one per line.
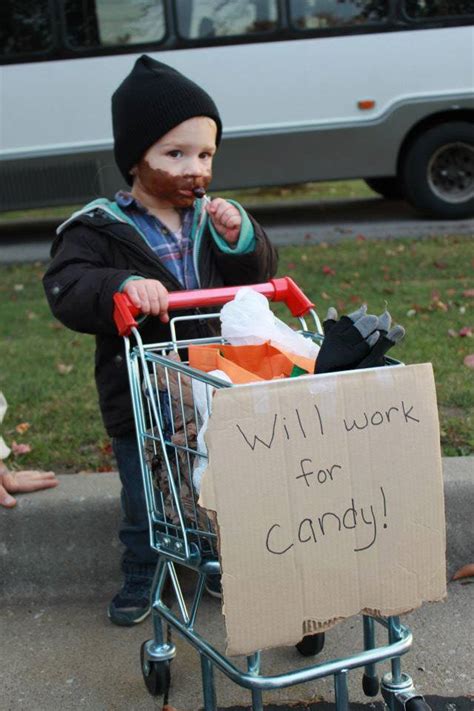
247,364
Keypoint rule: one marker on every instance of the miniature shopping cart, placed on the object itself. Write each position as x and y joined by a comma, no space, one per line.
184,536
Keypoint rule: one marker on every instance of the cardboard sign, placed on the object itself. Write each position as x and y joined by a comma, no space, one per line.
328,492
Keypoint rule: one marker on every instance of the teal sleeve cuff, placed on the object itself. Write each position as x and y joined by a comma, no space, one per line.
130,278
246,241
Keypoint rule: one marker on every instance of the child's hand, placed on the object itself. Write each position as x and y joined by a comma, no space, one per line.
150,296
225,218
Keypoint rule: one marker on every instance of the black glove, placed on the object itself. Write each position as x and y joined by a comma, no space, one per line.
376,357
356,341
347,341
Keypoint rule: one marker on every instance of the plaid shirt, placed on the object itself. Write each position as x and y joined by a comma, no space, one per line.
174,251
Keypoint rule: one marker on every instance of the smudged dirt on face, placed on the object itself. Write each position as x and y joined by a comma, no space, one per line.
174,189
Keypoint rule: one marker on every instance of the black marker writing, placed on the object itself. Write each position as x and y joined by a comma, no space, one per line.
379,417
326,525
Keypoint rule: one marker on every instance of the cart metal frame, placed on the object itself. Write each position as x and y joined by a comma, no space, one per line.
184,543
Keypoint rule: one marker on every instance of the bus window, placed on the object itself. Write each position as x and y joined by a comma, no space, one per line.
113,23
326,14
25,27
421,9
204,19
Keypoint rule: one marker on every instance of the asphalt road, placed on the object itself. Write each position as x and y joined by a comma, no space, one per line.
299,223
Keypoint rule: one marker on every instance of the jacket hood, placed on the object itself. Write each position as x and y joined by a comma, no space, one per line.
97,208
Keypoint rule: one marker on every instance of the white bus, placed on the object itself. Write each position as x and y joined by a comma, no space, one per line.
308,90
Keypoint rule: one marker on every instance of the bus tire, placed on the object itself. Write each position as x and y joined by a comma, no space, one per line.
388,187
438,171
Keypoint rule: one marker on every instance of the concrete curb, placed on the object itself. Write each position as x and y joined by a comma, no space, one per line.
62,543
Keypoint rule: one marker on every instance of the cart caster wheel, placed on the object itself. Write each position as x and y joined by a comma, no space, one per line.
371,686
312,644
417,704
156,675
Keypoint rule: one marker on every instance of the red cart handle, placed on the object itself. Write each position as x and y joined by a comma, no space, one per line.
282,289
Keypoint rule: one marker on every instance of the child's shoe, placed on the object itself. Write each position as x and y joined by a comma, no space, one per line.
132,603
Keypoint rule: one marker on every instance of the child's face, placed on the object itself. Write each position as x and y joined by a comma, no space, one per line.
180,161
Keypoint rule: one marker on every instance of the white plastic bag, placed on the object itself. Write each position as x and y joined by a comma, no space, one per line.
202,394
248,321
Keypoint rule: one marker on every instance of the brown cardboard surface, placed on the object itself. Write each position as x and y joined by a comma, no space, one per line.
329,499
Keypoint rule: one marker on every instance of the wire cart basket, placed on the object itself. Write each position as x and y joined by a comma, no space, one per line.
167,420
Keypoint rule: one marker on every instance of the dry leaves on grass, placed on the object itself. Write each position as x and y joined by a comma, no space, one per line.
465,332
19,449
22,427
469,361
63,368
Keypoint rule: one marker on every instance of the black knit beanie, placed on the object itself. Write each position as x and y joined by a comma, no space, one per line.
151,100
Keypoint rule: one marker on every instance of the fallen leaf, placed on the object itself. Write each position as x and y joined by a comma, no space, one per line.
361,238
466,331
468,293
327,270
30,315
18,287
462,309
451,292
452,333
467,571
106,448
105,468
440,265
63,369
411,312
290,266
325,296
18,449
469,361
56,325
23,427
304,257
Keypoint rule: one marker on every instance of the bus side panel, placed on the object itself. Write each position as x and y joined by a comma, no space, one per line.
273,85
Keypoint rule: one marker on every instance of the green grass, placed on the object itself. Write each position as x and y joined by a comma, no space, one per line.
341,189
424,278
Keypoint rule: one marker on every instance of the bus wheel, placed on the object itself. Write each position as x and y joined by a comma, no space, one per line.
390,188
438,171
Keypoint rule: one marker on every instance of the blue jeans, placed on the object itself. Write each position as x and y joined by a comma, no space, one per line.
134,527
